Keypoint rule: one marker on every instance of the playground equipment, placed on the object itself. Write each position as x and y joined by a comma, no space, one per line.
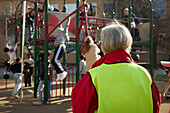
79,24
145,41
59,90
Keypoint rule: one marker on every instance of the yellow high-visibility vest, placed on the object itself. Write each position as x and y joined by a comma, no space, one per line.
122,88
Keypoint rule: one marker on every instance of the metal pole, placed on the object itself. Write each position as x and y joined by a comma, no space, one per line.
151,42
6,35
35,52
23,38
130,16
21,22
64,57
16,38
6,27
46,53
77,40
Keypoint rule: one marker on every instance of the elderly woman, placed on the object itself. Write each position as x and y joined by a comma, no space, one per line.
116,84
90,51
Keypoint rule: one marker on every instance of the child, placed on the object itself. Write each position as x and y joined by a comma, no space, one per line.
28,69
41,78
16,69
12,53
60,50
83,68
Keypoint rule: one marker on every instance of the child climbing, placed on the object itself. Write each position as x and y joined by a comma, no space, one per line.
62,36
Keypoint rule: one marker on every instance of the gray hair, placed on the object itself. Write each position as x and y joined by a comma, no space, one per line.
115,37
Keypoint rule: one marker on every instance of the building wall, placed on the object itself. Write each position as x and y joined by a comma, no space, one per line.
165,28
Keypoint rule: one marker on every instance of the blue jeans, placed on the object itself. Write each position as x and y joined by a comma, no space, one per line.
41,89
17,78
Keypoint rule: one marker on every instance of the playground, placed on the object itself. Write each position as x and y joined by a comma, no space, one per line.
40,37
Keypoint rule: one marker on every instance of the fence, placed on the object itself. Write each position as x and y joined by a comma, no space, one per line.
63,88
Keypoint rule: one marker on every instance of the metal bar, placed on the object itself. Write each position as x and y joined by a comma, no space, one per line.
72,77
77,39
151,44
142,18
46,53
105,19
35,52
52,85
84,34
13,19
56,86
16,38
95,24
141,43
60,88
50,39
21,22
98,34
153,31
35,2
68,80
130,17
133,32
86,30
100,10
23,39
64,57
81,23
94,32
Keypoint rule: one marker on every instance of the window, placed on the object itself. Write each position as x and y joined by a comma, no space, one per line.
108,9
70,8
9,10
160,8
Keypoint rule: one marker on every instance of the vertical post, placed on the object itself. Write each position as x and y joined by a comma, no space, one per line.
130,19
46,53
16,38
64,57
6,29
130,16
35,52
77,40
22,51
151,43
21,22
64,7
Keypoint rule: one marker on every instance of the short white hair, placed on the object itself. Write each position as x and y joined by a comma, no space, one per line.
115,37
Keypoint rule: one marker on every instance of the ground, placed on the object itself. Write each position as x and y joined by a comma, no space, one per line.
9,104
58,105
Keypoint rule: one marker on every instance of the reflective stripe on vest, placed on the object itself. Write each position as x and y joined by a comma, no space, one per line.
122,88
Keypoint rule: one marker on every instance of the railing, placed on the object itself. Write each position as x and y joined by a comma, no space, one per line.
63,88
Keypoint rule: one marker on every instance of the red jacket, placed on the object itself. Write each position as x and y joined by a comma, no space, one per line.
84,96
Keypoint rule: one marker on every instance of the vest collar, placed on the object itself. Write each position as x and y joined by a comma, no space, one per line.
114,57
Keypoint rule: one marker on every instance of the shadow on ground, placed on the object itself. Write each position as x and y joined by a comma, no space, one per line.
9,104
